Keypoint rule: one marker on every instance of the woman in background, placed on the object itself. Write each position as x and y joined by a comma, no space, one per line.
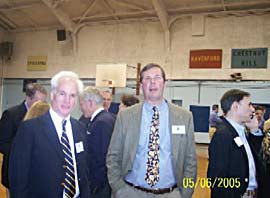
37,109
127,101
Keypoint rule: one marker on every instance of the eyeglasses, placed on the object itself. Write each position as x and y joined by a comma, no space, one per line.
155,78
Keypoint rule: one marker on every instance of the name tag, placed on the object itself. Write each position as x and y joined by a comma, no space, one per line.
79,147
238,141
178,129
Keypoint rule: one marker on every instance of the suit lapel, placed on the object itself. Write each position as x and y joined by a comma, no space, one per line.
136,117
234,135
22,110
51,134
174,119
93,121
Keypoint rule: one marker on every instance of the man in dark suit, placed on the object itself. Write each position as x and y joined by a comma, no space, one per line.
99,131
10,120
233,165
48,157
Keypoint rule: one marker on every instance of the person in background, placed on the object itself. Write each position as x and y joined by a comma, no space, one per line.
152,147
214,118
231,155
127,101
99,131
265,156
107,99
48,157
10,121
37,109
259,112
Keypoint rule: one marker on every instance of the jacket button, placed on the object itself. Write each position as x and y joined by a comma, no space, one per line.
64,166
246,179
62,184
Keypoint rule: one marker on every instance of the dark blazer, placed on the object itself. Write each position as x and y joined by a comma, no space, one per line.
227,160
9,123
36,167
98,139
84,121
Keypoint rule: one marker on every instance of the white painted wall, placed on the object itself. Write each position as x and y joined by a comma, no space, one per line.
144,42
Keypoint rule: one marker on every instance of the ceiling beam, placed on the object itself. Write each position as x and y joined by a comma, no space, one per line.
30,20
163,18
109,8
88,9
120,14
162,13
128,5
8,22
219,7
62,17
18,6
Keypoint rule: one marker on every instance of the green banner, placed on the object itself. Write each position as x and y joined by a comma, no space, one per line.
249,58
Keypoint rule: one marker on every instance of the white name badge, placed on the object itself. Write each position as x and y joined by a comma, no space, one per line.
238,141
178,129
79,147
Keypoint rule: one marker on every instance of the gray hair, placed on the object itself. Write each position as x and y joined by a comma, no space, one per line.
69,74
91,93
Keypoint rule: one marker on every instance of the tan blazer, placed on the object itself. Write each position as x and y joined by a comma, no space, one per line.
125,138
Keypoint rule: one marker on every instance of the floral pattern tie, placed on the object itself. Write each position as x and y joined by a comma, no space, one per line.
152,164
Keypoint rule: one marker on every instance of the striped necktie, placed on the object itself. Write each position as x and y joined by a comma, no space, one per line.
69,183
152,164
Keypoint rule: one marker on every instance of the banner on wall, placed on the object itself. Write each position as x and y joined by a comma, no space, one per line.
205,59
249,58
37,63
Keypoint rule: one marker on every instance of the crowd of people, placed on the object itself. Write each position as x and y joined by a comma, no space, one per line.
146,150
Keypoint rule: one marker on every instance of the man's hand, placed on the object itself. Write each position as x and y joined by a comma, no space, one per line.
253,124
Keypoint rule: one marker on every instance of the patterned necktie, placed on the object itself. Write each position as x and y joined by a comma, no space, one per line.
152,164
69,183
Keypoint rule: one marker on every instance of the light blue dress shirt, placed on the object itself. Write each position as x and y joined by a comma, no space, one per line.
166,174
251,164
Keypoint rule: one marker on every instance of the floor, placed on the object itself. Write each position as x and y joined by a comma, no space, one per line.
202,156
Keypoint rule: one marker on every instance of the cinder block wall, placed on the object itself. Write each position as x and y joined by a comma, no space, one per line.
143,42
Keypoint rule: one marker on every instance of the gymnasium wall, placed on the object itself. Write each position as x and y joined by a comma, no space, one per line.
143,42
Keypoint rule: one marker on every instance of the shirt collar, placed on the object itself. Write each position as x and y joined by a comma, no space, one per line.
95,113
26,105
240,129
161,106
58,119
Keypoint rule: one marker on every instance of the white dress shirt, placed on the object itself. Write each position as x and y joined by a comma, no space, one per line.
57,121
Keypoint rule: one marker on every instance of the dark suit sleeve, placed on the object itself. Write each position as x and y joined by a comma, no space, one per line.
6,132
98,147
218,166
19,162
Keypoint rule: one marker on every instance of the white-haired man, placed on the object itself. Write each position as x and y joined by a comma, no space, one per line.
48,157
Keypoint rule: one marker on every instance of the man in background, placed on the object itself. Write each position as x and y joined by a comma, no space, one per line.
152,147
259,112
99,131
231,155
107,99
48,157
214,118
10,121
